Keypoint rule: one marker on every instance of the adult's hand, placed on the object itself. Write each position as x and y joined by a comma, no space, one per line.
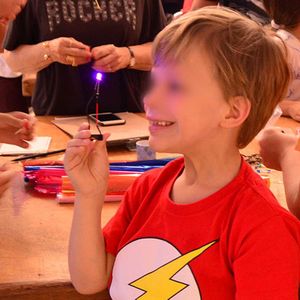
109,58
16,128
69,51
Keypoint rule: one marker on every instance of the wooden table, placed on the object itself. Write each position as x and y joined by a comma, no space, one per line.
34,232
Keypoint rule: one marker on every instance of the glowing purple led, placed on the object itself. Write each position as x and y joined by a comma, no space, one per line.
99,77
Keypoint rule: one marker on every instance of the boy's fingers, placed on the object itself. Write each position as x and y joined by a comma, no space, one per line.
78,143
102,144
74,151
83,134
84,126
106,136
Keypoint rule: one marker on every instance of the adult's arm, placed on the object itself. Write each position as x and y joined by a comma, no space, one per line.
277,148
33,58
109,58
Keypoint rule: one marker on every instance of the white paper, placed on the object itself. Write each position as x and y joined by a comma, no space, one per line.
39,144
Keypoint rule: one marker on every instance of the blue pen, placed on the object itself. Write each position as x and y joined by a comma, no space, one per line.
36,168
139,169
112,168
154,162
134,166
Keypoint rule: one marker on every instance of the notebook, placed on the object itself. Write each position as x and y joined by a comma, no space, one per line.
39,144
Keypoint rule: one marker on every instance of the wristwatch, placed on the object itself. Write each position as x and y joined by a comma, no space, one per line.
132,58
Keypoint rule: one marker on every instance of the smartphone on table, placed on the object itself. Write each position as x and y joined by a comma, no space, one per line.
107,119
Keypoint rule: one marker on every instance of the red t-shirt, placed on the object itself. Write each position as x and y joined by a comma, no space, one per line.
235,244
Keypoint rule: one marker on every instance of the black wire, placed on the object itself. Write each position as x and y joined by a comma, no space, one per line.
87,109
97,137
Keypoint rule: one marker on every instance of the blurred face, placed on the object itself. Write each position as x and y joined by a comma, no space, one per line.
185,105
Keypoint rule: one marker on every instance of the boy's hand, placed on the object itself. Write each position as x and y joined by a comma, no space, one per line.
86,163
16,128
275,144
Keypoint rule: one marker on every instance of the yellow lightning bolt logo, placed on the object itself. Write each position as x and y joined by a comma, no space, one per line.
159,284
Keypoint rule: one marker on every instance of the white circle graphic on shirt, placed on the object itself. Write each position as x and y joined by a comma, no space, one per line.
153,269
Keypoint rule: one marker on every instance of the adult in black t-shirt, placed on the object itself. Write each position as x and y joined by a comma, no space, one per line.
66,40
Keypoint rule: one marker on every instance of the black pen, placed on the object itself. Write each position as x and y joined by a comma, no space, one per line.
38,155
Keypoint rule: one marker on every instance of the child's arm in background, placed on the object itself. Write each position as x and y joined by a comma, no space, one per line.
278,152
291,108
86,164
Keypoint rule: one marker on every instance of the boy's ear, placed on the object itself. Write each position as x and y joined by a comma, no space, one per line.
238,111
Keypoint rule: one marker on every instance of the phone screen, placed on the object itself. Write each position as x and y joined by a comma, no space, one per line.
106,117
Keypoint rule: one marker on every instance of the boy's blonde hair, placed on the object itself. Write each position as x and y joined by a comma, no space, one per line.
248,60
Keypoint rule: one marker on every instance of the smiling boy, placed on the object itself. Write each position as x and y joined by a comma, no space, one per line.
205,226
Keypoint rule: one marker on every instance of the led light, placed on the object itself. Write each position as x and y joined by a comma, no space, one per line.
99,77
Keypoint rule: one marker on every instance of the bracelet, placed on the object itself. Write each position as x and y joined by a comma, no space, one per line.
46,56
132,61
